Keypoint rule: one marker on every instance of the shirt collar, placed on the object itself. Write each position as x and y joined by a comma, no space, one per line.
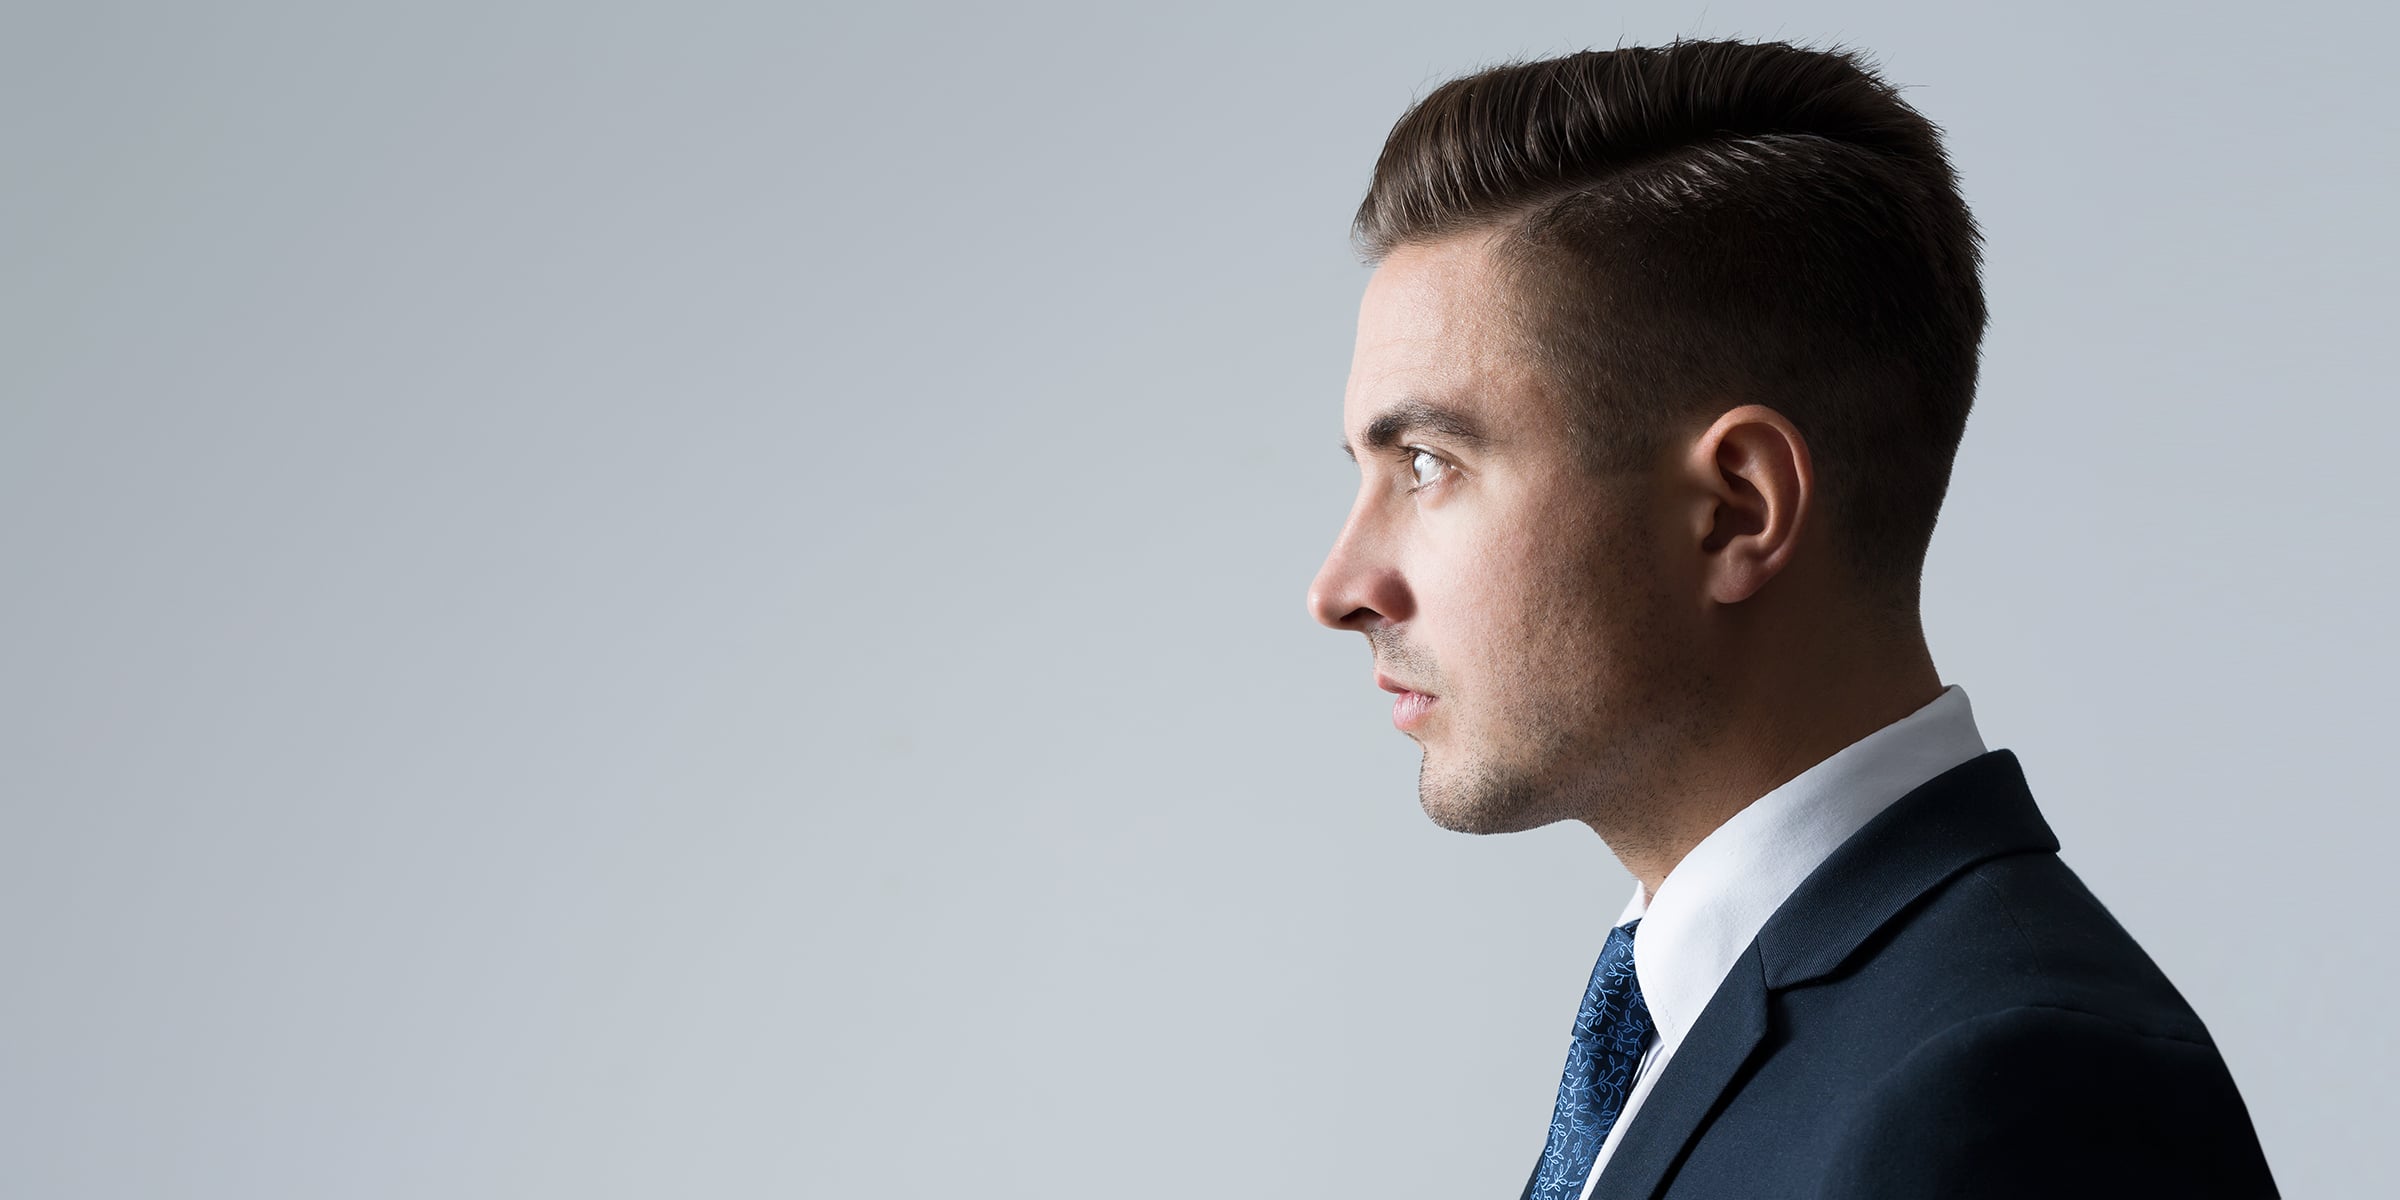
1711,905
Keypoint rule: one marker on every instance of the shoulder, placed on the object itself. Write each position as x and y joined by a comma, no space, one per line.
2049,1100
2010,1038
2009,938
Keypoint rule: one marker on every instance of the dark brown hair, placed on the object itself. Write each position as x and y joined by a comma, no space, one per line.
1711,223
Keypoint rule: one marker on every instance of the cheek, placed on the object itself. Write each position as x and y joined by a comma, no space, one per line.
1531,583
1504,601
1533,604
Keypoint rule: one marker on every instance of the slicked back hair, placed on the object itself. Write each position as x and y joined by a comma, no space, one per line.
1689,228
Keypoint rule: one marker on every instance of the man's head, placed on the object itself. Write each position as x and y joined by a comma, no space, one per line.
1649,329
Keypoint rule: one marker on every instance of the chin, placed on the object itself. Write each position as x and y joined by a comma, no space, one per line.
1482,800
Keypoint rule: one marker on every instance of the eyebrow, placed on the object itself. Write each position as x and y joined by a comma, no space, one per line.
1411,416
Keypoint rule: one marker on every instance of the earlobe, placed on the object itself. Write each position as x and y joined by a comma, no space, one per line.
1761,483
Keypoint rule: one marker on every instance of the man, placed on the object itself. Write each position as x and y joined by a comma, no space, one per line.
1656,391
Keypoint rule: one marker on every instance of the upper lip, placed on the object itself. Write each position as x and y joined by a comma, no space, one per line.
1390,684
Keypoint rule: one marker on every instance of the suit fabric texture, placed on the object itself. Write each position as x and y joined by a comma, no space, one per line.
1942,1009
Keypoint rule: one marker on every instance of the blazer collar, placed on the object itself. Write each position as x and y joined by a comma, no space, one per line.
1712,906
1973,812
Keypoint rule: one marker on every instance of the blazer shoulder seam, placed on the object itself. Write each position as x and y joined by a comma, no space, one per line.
2000,899
2116,1023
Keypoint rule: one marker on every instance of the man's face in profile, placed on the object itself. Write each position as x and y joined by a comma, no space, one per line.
1522,608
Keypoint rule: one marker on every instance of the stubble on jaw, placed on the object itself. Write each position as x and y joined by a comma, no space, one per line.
1589,715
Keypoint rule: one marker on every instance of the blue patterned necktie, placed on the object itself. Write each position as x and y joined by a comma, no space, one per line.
1609,1029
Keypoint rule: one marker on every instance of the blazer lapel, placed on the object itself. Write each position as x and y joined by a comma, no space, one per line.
1977,810
1680,1104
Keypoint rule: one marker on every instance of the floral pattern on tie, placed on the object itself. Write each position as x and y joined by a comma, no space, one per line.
1609,1029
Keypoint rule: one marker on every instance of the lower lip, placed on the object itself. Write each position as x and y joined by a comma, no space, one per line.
1409,709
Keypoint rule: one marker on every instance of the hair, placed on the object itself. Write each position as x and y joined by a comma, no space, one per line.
1689,228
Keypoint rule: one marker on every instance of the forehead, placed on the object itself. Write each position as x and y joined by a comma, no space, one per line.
1432,326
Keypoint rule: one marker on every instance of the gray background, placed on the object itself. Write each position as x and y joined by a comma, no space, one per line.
706,600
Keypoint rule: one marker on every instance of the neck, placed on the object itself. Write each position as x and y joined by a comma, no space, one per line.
1775,727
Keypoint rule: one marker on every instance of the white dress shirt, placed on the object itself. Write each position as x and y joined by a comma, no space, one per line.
1712,904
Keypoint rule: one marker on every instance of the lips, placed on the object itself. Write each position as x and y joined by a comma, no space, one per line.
1409,706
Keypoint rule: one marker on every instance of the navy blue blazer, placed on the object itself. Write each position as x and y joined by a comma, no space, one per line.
1942,1009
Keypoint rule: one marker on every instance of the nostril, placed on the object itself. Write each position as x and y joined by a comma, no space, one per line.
1323,609
1326,604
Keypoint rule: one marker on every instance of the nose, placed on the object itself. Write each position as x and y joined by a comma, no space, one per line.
1358,588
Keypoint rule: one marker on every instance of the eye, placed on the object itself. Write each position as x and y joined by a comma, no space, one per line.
1426,467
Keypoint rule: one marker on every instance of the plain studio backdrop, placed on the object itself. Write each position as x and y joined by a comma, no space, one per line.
611,601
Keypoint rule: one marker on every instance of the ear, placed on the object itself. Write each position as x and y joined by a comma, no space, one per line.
1756,487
